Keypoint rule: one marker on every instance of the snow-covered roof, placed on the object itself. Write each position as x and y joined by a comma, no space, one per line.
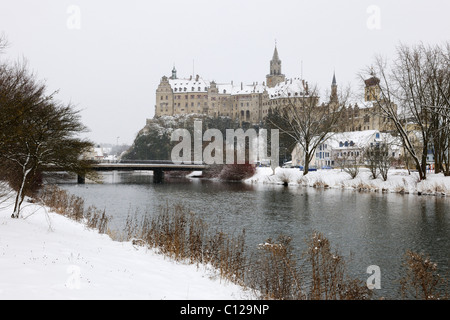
98,152
228,88
359,138
289,88
189,85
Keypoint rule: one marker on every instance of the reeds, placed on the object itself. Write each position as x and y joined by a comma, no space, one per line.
422,280
73,207
273,271
183,236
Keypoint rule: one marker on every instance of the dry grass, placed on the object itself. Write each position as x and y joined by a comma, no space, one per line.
320,184
284,178
60,201
273,272
181,235
329,279
422,281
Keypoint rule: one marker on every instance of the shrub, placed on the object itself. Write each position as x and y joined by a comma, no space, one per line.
237,172
421,280
329,274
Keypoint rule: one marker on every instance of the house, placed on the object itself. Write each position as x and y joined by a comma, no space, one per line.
94,154
345,147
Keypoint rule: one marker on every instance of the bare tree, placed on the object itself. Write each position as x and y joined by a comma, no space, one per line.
349,160
412,82
3,42
438,64
37,133
378,159
307,121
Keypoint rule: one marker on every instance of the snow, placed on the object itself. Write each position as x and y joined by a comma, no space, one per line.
288,88
48,256
399,181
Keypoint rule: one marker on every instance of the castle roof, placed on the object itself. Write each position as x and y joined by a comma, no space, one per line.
189,85
288,88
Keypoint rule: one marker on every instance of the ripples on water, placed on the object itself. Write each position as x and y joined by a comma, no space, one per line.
371,228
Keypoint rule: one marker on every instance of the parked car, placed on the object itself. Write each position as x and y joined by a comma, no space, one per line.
310,168
287,164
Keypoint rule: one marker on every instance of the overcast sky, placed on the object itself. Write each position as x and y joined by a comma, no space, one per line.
107,57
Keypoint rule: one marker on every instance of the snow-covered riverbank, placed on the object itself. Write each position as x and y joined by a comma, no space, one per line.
48,256
398,180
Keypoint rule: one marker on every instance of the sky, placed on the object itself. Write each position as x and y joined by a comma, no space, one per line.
107,57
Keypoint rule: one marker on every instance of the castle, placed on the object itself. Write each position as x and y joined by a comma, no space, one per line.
251,103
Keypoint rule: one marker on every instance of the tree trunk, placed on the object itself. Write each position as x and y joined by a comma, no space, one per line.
307,158
21,192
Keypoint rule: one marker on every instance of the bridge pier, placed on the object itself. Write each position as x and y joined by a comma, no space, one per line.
81,179
158,176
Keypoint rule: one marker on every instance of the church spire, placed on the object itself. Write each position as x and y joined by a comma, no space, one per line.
275,54
334,95
275,76
275,63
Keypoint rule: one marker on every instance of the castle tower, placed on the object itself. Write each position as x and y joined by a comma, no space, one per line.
174,73
372,89
334,96
275,75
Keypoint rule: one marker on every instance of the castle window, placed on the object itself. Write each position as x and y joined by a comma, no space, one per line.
199,89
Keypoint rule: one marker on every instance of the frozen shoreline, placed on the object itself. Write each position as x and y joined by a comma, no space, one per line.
399,181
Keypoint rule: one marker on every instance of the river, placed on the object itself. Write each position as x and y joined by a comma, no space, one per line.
368,228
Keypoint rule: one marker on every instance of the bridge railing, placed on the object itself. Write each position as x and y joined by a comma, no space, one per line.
145,162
